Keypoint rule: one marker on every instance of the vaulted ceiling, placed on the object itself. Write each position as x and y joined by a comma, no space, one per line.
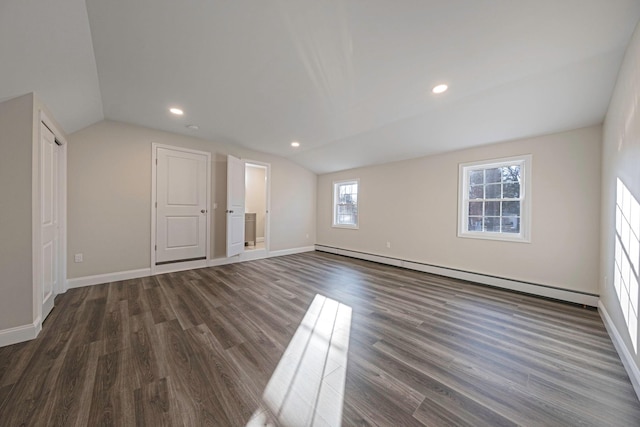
349,79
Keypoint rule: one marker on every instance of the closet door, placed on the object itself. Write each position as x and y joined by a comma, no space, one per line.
49,217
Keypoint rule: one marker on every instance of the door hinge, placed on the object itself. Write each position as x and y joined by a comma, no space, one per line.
156,247
156,205
156,161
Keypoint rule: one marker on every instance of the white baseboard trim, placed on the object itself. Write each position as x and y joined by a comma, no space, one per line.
98,279
79,282
179,266
215,262
292,251
251,255
20,333
575,297
259,254
625,356
259,239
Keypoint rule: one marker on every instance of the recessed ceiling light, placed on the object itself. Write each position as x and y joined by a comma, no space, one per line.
295,144
192,127
440,88
176,111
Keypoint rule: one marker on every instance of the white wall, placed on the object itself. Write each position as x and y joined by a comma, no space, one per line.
621,160
109,197
413,205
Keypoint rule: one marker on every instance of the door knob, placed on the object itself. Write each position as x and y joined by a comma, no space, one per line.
203,211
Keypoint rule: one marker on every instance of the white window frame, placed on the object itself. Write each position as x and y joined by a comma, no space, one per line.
524,236
336,184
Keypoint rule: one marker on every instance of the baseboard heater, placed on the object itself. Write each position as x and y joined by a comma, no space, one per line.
537,289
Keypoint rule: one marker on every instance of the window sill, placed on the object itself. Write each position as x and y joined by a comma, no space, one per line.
517,238
349,227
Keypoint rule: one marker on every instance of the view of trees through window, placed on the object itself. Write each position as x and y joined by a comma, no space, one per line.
346,203
494,199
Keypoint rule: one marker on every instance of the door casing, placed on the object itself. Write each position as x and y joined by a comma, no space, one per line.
256,253
267,168
37,217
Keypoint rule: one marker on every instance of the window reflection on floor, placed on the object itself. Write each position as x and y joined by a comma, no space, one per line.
307,387
627,258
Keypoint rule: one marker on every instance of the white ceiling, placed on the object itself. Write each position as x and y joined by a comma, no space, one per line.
45,47
349,79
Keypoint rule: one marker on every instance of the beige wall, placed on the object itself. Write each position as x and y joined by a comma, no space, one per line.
109,197
16,138
256,196
20,290
621,159
413,205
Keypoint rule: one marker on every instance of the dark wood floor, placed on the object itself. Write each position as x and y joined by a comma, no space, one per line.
199,347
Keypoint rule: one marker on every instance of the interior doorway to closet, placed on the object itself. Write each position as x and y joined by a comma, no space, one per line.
256,232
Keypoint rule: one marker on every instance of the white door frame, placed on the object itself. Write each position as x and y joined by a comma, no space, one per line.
159,269
267,217
36,216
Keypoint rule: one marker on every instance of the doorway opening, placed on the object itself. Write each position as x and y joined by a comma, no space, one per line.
256,206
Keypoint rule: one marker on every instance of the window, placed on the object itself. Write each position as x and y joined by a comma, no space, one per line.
495,199
345,204
627,258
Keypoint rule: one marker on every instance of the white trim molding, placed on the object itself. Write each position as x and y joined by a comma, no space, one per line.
98,279
546,291
267,217
625,357
292,251
179,266
259,254
20,333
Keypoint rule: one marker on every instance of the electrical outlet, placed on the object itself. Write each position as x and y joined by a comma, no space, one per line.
388,245
77,258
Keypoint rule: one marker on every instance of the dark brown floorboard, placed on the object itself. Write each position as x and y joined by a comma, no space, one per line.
198,348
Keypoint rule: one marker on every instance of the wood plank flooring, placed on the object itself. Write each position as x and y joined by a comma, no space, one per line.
198,348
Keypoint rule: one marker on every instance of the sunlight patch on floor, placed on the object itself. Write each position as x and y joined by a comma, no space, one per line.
307,386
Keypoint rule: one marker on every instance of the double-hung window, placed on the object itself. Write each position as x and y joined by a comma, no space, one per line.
495,199
345,204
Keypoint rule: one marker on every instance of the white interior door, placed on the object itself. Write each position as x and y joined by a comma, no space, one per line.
182,205
49,225
235,206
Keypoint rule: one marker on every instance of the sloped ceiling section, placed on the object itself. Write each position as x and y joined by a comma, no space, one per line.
349,79
45,47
